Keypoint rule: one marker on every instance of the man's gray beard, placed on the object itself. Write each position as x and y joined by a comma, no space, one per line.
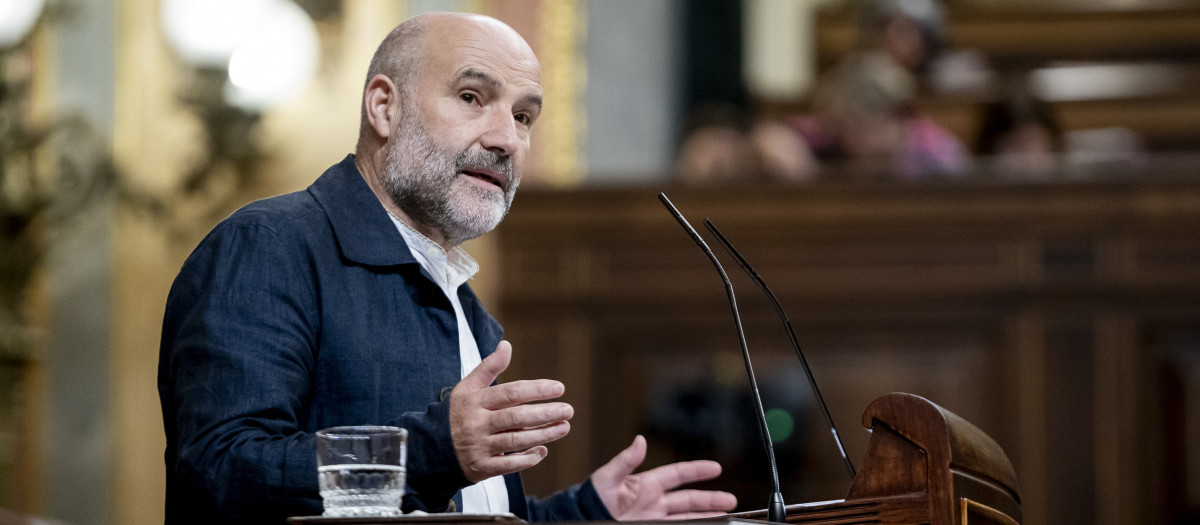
420,176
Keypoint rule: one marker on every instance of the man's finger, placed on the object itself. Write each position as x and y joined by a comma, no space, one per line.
523,439
678,474
525,417
520,392
486,373
694,515
688,502
516,461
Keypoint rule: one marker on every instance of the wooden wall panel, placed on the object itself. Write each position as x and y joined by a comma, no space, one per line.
1034,311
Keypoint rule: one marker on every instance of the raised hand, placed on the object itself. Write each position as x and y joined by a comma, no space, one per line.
650,495
495,431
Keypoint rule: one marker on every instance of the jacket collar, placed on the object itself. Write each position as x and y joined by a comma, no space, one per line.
364,232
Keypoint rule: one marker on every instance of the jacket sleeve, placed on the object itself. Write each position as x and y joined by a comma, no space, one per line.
578,503
236,377
235,372
434,475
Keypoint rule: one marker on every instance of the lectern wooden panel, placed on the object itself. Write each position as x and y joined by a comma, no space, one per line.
923,465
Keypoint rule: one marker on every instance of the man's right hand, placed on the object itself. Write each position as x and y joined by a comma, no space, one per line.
495,431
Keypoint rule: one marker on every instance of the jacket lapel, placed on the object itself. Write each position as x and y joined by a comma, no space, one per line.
364,232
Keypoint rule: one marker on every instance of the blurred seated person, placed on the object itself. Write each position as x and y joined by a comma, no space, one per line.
910,33
1019,136
865,122
724,145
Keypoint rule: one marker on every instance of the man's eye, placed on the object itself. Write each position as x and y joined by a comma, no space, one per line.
522,118
468,97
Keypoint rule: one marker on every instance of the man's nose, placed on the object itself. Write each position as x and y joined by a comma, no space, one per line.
502,136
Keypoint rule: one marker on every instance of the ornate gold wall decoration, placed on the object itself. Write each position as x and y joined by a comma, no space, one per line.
564,69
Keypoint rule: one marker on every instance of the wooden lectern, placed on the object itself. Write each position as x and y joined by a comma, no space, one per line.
923,465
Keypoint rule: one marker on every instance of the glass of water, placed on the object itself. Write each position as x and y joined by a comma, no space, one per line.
361,470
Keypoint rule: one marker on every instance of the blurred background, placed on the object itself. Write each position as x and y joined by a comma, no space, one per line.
992,204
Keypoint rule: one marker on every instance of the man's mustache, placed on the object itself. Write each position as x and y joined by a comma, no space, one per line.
483,159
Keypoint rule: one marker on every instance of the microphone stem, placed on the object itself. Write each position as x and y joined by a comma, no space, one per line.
775,515
762,428
787,325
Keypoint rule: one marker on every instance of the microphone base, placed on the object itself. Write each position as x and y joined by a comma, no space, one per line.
776,513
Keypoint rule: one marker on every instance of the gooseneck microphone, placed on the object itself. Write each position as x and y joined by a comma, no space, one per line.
775,509
787,325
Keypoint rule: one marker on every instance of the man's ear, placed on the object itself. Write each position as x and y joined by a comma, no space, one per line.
381,100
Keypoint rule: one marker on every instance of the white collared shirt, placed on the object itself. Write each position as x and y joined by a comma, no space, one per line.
450,270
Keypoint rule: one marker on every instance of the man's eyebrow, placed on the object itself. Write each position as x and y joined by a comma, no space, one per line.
535,100
494,83
476,74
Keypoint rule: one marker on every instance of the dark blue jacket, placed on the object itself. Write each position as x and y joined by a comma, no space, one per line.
308,311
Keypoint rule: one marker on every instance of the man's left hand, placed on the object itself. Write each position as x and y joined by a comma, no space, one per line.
650,495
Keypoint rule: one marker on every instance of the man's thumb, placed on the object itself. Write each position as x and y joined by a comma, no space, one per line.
624,463
486,373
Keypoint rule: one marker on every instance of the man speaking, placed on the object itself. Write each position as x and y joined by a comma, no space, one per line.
347,304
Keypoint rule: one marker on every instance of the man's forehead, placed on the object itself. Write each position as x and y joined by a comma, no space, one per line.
476,63
480,33
490,50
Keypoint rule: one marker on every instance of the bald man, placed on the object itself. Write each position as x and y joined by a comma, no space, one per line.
347,304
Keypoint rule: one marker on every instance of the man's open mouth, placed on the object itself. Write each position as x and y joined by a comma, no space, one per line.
485,176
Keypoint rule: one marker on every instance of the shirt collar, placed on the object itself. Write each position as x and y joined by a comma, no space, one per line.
449,268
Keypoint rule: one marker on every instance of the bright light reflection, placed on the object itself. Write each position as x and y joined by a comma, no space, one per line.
16,19
206,32
277,61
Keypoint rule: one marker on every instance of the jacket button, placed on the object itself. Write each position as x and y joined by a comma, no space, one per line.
445,393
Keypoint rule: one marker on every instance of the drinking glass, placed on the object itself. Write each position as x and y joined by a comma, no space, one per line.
361,470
